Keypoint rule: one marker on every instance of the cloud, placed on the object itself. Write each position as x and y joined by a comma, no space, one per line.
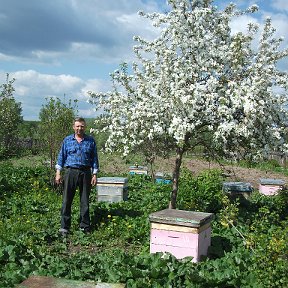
279,22
240,24
41,30
32,88
281,5
64,48
56,48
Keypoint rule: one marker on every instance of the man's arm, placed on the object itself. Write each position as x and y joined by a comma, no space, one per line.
58,178
95,165
95,161
60,163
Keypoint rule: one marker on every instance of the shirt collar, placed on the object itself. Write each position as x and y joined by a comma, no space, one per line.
84,136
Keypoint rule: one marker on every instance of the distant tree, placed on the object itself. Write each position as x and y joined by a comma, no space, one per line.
10,118
29,137
56,120
198,81
29,129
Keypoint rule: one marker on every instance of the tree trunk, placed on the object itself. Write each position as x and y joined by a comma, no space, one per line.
176,174
151,160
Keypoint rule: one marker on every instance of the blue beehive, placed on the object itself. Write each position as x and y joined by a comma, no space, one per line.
161,178
136,169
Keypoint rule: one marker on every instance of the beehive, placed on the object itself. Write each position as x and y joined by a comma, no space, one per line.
112,189
181,233
140,170
235,189
270,186
161,178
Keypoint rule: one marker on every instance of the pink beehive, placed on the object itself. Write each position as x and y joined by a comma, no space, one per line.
271,186
181,233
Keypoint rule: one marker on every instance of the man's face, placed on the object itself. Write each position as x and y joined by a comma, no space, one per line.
79,128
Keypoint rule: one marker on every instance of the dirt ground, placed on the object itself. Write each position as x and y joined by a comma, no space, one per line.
232,173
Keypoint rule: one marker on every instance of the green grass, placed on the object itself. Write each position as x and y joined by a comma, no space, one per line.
248,244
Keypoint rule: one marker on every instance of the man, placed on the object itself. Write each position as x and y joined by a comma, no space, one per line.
78,155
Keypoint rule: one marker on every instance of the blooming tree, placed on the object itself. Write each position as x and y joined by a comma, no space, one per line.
198,79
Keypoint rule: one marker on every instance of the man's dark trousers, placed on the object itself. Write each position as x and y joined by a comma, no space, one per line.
74,178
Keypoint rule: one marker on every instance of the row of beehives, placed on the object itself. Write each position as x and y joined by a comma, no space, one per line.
181,233
115,189
267,186
160,177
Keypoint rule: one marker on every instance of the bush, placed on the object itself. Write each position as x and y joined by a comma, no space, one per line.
201,193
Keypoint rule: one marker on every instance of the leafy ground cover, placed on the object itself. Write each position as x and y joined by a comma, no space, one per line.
248,246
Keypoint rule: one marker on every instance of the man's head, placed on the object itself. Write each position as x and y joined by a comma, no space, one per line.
79,126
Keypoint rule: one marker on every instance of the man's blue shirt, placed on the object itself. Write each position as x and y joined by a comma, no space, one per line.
77,155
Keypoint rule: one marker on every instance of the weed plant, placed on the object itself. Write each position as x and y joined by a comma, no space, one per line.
248,245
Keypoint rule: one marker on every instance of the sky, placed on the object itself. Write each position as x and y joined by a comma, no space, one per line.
64,48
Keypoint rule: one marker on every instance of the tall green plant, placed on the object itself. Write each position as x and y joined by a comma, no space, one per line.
56,120
201,193
10,118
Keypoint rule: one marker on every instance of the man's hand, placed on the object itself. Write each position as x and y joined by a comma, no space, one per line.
94,180
58,179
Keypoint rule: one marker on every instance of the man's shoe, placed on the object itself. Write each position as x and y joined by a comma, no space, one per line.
85,230
63,232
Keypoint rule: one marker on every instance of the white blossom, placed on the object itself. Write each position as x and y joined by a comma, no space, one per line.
197,77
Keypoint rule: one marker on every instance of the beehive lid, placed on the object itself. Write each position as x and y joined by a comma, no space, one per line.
162,175
112,180
159,174
237,187
137,167
181,217
270,181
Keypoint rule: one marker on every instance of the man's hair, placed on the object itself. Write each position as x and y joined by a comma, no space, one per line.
79,119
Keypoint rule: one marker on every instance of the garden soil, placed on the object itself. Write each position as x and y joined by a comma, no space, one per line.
234,173
117,165
230,172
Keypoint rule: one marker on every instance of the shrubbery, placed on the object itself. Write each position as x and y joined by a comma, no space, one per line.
249,239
